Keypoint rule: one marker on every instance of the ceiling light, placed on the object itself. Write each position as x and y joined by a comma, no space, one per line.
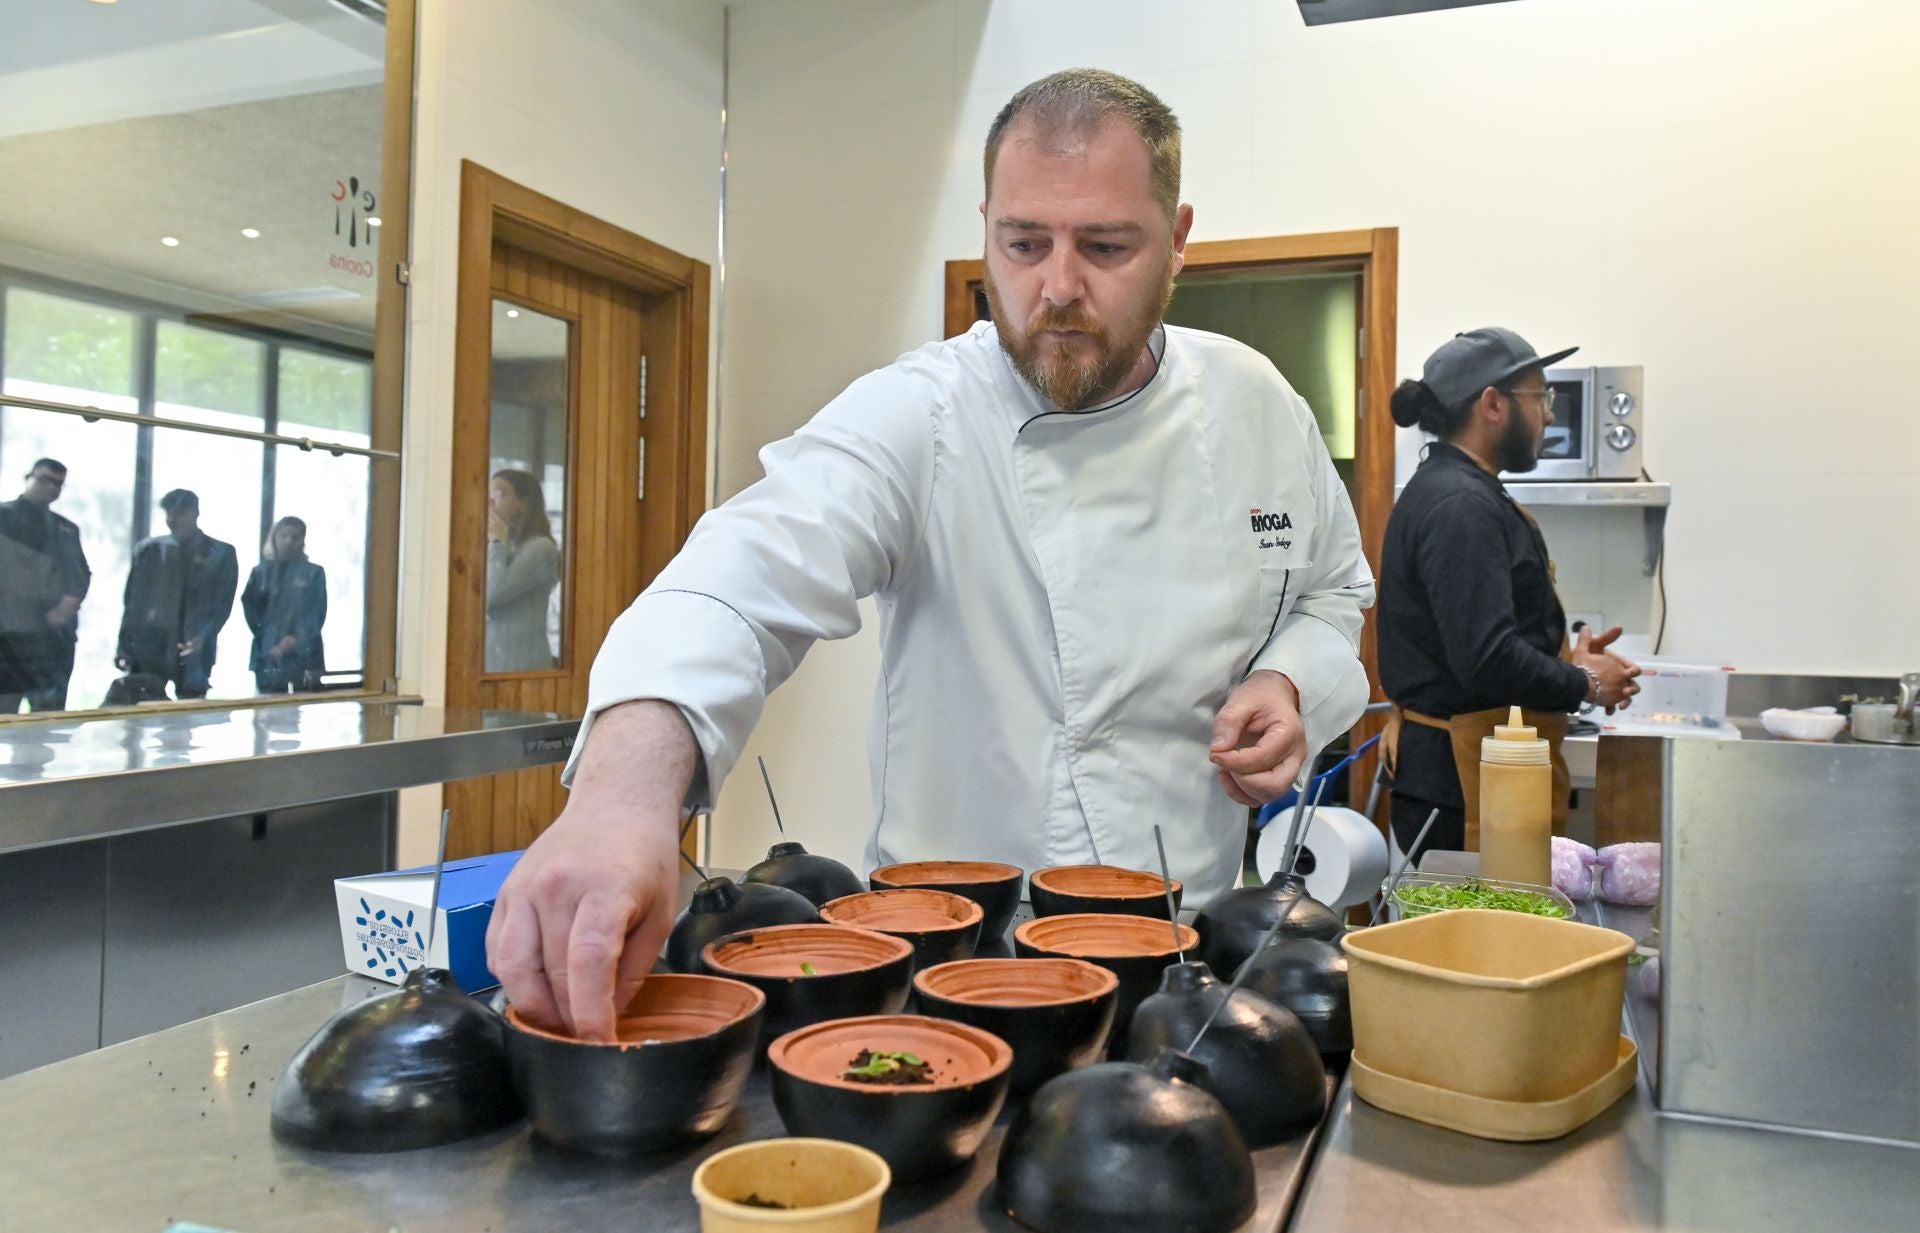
103,1
373,220
513,312
169,241
252,233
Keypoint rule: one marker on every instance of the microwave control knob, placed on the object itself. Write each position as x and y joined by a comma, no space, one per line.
1621,404
1621,436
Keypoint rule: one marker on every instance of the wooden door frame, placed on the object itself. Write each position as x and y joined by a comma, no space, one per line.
1373,253
675,324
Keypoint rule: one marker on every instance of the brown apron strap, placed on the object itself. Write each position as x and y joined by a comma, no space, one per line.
1466,731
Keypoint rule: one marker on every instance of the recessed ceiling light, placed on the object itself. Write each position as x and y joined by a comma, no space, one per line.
169,241
373,220
513,312
103,1
252,233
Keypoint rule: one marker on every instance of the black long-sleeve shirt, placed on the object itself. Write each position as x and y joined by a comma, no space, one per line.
1469,619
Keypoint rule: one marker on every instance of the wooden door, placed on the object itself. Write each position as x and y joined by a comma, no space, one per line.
563,372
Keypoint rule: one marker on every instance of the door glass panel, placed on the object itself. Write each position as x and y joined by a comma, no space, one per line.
527,489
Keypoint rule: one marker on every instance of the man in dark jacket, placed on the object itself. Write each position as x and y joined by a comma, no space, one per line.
45,574
179,595
1470,623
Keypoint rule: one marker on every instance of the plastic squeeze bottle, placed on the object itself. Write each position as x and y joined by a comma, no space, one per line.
1516,804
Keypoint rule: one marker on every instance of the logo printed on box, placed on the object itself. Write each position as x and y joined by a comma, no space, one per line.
392,946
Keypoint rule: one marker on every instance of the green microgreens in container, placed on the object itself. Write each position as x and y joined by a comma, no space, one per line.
874,1064
1420,899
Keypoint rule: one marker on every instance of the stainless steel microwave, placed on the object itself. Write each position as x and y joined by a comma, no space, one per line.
1598,426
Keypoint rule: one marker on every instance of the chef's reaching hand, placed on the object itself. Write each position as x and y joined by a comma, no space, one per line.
1613,674
1259,739
579,922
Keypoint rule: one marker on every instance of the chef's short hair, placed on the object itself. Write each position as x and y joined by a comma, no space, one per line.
180,498
1076,101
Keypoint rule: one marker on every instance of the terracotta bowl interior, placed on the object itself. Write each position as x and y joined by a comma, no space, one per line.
949,873
904,911
1103,882
780,950
1104,935
669,1007
1017,982
960,1055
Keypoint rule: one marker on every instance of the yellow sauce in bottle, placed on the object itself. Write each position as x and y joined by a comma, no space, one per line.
1516,805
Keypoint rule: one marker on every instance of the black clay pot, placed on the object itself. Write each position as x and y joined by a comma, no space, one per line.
418,1067
1134,948
1056,1013
721,906
815,878
812,973
1264,1066
920,1131
1065,889
1309,978
685,1048
1232,925
1145,1148
992,885
941,925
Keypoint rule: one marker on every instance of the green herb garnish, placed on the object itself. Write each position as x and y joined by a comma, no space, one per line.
1420,899
875,1066
807,969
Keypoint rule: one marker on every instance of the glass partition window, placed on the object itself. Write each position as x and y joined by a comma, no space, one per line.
202,565
196,249
527,489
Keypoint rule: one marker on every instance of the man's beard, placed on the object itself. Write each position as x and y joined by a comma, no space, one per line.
1068,376
1518,452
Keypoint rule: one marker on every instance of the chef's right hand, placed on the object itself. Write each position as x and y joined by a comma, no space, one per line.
1616,674
584,914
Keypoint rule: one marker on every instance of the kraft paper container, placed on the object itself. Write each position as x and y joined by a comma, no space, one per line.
1497,1005
824,1186
1514,1121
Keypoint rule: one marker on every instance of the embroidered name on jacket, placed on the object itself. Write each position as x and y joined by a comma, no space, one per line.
1272,522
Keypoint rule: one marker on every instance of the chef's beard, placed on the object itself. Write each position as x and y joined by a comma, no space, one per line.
1519,450
1076,377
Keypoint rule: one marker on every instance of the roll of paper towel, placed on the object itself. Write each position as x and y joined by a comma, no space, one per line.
1345,855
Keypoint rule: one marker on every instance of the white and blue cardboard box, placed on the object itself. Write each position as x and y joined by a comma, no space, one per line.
383,920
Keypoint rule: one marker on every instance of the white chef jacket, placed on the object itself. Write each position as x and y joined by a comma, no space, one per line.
1065,600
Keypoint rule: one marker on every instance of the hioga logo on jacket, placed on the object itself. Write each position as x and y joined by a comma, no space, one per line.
1272,522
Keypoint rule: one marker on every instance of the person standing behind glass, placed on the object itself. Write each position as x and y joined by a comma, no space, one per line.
523,564
179,595
285,602
48,586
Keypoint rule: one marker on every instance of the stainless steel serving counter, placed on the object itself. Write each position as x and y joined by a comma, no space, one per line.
174,1127
160,866
1630,1169
68,780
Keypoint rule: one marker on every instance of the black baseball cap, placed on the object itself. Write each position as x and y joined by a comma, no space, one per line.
1470,362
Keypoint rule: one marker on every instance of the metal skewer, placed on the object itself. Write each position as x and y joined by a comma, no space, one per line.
433,905
1406,858
1166,880
768,780
1291,856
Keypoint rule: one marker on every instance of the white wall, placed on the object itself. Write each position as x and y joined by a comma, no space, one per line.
610,106
1721,191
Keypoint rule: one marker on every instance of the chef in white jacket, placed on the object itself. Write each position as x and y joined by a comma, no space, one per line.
1119,581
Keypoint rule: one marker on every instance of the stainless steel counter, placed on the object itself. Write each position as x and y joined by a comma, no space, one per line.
174,1127
1629,1169
65,781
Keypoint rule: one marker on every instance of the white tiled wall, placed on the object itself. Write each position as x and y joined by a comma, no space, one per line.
610,106
1722,191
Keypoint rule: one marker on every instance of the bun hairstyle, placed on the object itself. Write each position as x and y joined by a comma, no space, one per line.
1414,402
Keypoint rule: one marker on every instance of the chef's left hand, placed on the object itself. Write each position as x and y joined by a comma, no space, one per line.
1259,739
